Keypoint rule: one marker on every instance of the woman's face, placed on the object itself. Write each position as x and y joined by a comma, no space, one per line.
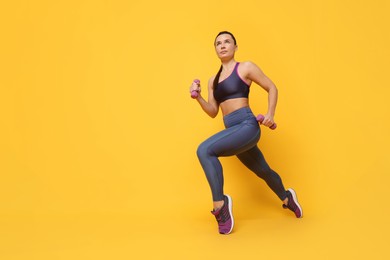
224,46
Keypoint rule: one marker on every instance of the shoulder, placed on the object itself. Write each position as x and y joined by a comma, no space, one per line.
248,69
248,65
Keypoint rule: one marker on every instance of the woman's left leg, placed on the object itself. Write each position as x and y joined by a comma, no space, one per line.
254,160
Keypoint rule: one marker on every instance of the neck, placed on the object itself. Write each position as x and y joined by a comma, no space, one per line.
229,64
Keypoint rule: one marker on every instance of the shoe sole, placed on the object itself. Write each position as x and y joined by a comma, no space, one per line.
295,198
230,204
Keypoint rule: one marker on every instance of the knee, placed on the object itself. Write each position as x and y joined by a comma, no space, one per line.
202,151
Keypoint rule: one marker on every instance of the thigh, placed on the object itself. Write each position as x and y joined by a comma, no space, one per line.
253,158
233,140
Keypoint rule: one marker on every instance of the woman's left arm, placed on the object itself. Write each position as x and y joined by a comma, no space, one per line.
254,73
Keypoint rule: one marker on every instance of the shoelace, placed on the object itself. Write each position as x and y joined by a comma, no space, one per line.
223,214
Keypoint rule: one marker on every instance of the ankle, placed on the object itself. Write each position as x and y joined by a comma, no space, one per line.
217,205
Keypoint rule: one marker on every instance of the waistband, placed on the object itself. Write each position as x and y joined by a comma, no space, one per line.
238,116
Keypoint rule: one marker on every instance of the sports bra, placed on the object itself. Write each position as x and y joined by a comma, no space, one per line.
231,87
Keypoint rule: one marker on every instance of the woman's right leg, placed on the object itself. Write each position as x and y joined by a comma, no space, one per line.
212,166
228,142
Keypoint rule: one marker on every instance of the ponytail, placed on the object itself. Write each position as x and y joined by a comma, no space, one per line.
216,79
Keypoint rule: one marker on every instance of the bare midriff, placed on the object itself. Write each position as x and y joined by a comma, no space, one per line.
232,105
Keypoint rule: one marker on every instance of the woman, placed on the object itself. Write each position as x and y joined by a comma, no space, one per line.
229,90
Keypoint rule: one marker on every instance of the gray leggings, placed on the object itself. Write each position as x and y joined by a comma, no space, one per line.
239,138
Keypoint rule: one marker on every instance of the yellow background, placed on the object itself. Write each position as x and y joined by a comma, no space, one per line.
98,133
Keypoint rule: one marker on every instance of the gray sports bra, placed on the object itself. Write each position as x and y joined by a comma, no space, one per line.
231,87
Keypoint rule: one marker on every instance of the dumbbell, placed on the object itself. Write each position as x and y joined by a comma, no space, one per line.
194,93
260,119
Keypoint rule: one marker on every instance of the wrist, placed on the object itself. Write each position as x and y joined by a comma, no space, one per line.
271,113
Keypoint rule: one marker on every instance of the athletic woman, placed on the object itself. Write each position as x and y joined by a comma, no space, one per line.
228,90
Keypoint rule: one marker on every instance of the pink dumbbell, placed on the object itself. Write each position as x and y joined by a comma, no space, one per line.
260,119
194,93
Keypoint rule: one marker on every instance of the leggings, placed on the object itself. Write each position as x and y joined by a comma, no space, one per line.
240,137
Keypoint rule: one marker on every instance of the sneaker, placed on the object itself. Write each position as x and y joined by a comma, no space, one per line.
293,204
224,216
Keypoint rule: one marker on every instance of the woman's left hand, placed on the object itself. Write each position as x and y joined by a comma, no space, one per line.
268,120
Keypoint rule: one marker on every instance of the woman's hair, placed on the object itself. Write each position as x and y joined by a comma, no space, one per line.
226,32
216,79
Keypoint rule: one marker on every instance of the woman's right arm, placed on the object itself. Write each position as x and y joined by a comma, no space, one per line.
211,106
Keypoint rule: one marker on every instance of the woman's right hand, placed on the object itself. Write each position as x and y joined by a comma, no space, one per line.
195,88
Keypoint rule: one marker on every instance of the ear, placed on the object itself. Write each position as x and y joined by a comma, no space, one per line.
236,49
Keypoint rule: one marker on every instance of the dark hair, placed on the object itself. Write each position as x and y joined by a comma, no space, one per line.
216,79
226,32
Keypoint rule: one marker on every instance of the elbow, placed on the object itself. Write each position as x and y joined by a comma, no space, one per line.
274,88
213,114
